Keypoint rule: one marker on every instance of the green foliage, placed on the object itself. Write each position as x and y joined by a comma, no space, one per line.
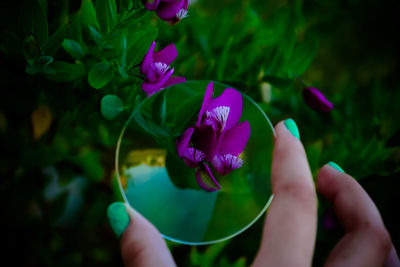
111,106
57,184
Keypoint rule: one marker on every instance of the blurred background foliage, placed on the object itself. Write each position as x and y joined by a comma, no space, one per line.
69,81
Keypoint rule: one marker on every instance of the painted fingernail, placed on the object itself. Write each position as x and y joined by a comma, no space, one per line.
292,127
118,218
335,166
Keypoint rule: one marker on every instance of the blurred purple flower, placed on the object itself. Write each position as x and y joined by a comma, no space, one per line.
216,138
169,10
316,100
156,67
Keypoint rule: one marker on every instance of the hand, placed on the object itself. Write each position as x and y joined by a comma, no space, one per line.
290,226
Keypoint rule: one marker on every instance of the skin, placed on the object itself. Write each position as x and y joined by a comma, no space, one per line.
290,227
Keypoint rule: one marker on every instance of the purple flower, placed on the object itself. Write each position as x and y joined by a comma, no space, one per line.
169,10
316,100
156,67
216,138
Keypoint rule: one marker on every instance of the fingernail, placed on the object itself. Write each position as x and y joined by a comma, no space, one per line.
292,127
118,218
335,166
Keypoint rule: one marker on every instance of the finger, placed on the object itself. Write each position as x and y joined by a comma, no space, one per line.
366,241
290,226
141,243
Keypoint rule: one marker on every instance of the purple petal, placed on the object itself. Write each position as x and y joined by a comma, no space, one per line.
207,98
182,144
151,4
234,140
166,55
316,100
185,4
174,80
204,138
151,88
225,163
206,180
148,59
151,75
232,99
193,156
167,10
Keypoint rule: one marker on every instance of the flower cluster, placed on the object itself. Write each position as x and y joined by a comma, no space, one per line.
156,68
169,10
216,138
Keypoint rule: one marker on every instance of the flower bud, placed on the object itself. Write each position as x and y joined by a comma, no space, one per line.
316,100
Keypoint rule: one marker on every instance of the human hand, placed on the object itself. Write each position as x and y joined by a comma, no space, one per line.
290,226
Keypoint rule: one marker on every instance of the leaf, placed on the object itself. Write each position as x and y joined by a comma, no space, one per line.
96,36
160,108
39,65
41,121
224,58
186,111
52,45
88,14
111,106
140,46
107,14
303,55
64,71
33,19
100,74
73,48
126,4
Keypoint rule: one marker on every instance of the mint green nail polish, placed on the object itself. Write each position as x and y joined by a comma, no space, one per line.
335,166
118,217
292,127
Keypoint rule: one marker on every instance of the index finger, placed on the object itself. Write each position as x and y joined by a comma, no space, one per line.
290,226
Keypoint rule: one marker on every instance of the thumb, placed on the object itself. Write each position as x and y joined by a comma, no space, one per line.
141,243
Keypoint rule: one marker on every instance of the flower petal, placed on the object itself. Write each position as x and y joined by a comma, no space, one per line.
174,80
234,140
206,100
167,10
316,100
151,88
166,55
148,59
193,156
182,144
151,4
185,4
232,99
205,179
204,138
225,163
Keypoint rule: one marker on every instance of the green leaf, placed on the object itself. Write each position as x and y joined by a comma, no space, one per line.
140,45
100,74
88,14
73,48
31,49
303,55
111,106
160,108
126,4
39,65
52,45
96,36
33,19
107,14
65,71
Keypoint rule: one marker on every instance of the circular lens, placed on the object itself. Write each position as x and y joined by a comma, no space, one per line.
156,182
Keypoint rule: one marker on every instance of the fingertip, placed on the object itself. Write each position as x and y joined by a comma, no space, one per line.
118,217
